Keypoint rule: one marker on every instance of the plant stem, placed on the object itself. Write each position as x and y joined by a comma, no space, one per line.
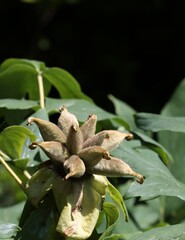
26,173
41,90
17,179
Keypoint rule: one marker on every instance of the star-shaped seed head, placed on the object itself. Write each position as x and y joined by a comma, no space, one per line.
79,149
80,160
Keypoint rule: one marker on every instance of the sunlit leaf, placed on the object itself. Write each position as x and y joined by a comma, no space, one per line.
154,145
65,83
11,214
124,111
118,199
112,216
155,122
21,74
43,221
158,179
174,142
79,107
165,233
12,140
18,104
8,230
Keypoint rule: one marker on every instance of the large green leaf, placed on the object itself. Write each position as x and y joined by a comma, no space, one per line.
22,75
158,179
112,216
79,107
41,223
8,230
155,146
18,104
65,83
174,142
124,111
11,214
156,122
173,232
12,140
118,199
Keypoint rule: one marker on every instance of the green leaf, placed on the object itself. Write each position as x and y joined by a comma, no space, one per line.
116,237
18,104
156,122
124,111
79,107
12,140
175,105
41,223
112,216
11,214
155,146
174,143
65,83
165,233
24,74
118,199
39,185
158,179
8,230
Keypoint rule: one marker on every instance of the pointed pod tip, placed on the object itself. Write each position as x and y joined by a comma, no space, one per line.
62,108
140,179
30,121
129,137
33,145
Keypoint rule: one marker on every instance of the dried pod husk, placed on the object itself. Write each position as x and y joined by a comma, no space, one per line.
95,140
66,120
39,185
114,138
74,167
48,130
55,151
74,140
92,155
114,168
80,214
88,128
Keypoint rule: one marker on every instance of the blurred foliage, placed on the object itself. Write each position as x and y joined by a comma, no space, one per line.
123,46
155,208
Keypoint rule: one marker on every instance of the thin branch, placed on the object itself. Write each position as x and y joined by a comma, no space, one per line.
17,179
41,90
26,173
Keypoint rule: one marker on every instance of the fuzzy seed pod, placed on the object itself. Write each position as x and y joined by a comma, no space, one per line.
88,128
74,140
114,168
54,150
74,167
48,130
92,155
97,140
66,120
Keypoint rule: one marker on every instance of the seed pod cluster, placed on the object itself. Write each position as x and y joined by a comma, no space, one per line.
83,158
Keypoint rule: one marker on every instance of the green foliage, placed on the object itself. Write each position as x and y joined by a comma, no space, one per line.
152,210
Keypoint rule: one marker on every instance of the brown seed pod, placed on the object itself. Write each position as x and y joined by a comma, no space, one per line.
48,130
114,168
66,120
74,140
74,167
54,150
88,128
92,155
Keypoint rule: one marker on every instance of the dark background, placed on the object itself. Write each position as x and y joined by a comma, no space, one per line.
134,50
